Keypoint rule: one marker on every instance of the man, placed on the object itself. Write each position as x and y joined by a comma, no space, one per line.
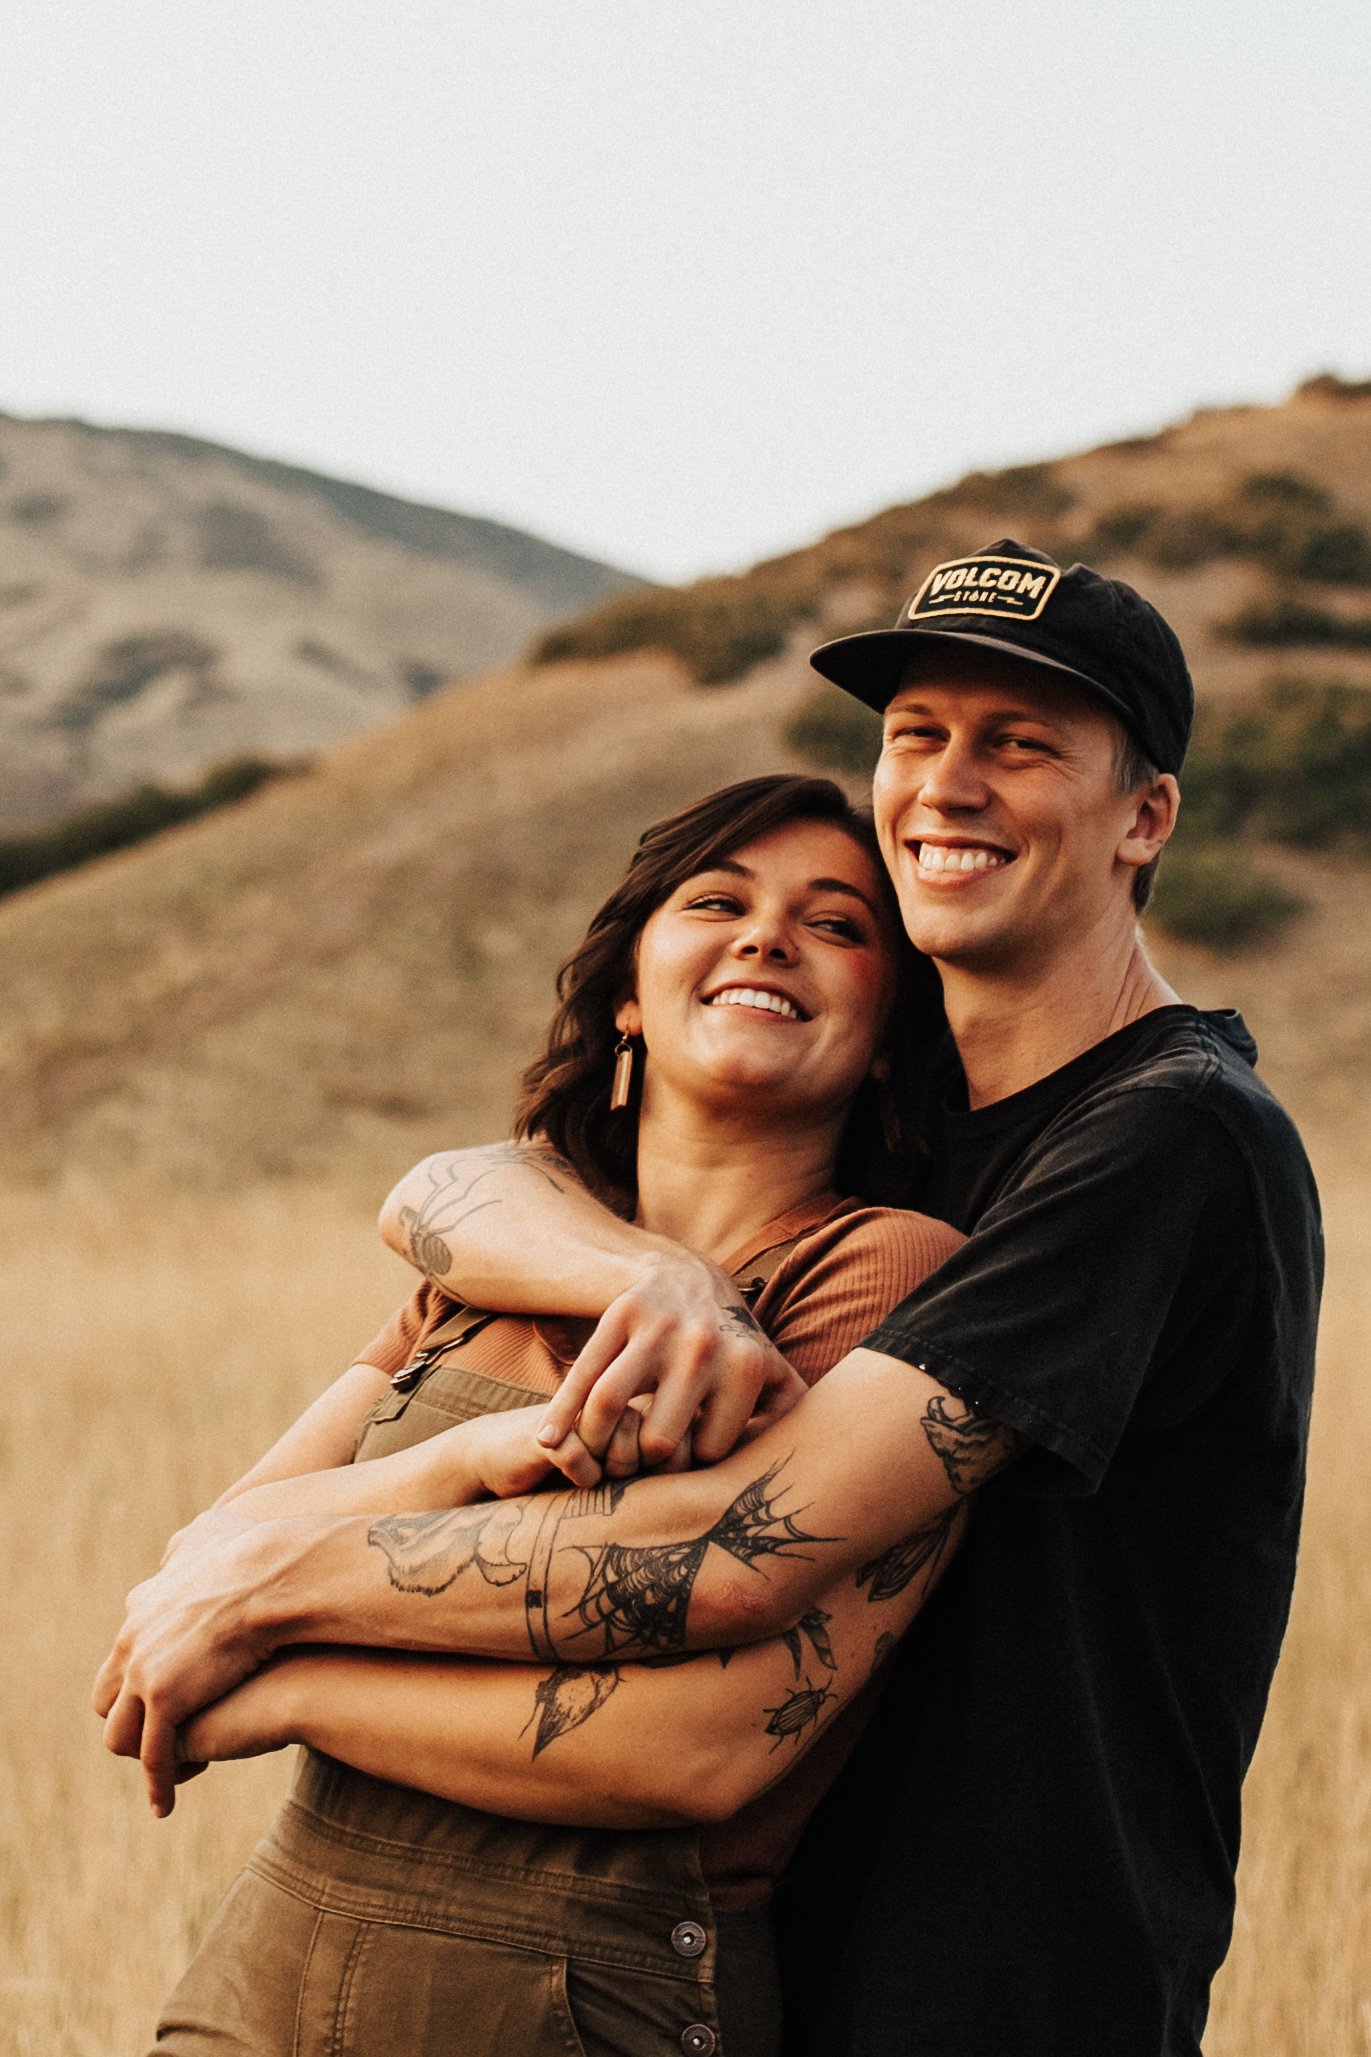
1034,1852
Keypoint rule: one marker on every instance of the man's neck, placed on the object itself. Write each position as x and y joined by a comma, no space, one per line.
1012,1029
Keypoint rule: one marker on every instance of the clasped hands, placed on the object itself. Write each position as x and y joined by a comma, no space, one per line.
675,1372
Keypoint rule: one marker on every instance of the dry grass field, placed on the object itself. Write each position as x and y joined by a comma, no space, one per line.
153,1348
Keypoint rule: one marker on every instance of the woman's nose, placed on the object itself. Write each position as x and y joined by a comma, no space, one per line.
765,939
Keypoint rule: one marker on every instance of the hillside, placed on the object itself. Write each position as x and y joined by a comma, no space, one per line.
166,604
346,968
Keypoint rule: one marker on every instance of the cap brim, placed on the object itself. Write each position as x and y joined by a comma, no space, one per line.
873,667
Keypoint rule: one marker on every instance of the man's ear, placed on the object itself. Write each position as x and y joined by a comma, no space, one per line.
628,1018
1154,818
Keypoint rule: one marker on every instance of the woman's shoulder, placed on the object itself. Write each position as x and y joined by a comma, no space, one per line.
856,1232
844,1274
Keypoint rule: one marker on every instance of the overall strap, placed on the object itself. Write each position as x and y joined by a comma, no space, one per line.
759,1271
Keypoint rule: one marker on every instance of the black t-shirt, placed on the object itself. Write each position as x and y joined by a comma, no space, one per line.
1033,1853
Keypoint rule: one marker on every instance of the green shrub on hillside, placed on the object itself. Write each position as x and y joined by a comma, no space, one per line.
1277,519
1288,622
834,731
719,627
118,824
1294,765
1212,893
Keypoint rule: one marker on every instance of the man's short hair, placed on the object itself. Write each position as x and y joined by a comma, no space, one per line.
1132,768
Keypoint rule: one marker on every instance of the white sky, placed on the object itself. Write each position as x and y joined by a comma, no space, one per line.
677,282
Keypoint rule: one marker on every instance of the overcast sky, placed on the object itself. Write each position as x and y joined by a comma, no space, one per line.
677,282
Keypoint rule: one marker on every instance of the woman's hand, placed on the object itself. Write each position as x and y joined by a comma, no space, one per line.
682,1336
255,1718
508,1459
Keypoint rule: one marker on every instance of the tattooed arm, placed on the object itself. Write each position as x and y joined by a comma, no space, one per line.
601,1746
511,1226
876,1454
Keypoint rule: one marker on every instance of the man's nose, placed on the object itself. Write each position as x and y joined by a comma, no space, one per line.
954,780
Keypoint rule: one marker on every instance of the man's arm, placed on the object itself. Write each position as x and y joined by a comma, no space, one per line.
869,1468
511,1226
601,1746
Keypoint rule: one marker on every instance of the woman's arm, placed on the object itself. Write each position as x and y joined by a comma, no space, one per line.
492,1456
323,1436
606,1746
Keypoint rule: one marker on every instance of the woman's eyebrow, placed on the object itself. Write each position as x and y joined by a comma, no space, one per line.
844,886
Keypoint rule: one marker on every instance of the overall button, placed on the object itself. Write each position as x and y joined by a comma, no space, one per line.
688,1939
699,2040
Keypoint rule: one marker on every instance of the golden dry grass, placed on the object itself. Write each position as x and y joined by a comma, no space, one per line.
153,1348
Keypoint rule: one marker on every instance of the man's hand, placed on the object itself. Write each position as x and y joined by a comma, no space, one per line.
186,1640
682,1335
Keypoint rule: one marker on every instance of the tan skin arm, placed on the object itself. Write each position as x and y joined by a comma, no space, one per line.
617,1746
872,1465
510,1225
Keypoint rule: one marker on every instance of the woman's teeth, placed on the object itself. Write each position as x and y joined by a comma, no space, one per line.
751,996
938,857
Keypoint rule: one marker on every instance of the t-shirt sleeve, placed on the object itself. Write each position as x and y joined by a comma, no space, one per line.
1086,1279
396,1343
844,1277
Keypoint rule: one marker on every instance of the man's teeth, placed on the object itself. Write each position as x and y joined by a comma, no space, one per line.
751,996
938,857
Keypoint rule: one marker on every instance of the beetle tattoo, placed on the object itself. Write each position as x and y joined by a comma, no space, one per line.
800,1711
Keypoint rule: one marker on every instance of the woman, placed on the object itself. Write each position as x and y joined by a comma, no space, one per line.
415,1893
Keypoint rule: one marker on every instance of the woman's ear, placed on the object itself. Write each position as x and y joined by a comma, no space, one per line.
628,1018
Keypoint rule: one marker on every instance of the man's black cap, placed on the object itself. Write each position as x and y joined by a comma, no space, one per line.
1097,631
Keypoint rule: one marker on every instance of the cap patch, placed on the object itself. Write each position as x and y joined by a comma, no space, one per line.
1005,587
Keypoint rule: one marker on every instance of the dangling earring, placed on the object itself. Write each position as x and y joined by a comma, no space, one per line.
622,1086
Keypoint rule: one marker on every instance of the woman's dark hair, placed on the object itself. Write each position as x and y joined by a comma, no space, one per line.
564,1093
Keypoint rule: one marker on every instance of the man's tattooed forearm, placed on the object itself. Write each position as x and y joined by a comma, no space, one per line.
634,1598
970,1448
453,1183
638,1596
923,1551
425,1553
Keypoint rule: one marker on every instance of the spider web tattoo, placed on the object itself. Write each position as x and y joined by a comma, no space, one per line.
637,1596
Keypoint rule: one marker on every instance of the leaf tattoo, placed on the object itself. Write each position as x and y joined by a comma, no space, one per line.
891,1572
813,1628
566,1698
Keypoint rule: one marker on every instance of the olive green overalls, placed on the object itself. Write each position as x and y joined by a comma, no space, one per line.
373,1919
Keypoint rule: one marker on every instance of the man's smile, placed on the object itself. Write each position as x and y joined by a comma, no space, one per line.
950,857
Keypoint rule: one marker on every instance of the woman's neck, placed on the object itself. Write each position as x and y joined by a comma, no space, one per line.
711,1183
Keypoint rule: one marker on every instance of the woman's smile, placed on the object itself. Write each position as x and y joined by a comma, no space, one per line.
766,979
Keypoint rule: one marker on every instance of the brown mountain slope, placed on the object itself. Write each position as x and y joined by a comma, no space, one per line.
166,603
349,967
